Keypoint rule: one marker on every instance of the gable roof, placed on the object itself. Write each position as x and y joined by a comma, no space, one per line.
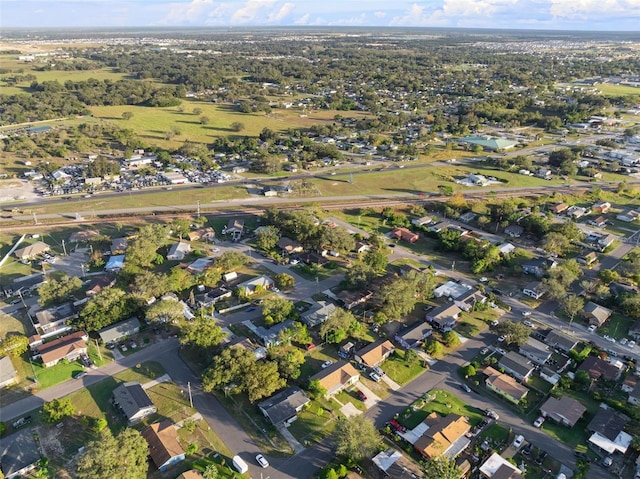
62,347
565,409
374,353
415,332
119,330
505,383
535,348
335,376
131,398
608,423
320,315
516,363
555,338
32,250
600,313
163,442
7,371
441,434
597,368
285,404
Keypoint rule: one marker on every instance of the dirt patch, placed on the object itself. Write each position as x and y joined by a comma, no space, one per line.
13,190
50,441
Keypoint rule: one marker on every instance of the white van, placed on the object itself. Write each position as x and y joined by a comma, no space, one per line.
240,465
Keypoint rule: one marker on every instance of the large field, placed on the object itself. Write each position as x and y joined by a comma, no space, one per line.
618,90
153,123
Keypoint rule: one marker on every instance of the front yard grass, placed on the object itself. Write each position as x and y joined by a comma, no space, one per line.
315,422
617,326
571,436
400,370
496,433
441,402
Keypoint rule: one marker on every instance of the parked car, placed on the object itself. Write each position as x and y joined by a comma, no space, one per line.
518,441
541,457
23,421
528,323
501,339
484,350
607,461
527,449
623,341
501,351
465,387
397,426
326,364
631,344
262,461
526,313
375,377
378,371
592,328
538,422
361,395
79,375
492,414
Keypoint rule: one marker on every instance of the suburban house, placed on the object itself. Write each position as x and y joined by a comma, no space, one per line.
489,143
283,408
467,301
164,449
178,251
8,373
351,299
598,368
596,314
99,283
191,474
438,227
319,315
565,410
451,289
19,453
601,207
269,337
628,216
425,220
289,246
497,467
362,247
607,431
444,436
414,335
115,263
599,222
49,322
335,378
514,231
404,234
133,401
534,290
31,251
199,265
506,248
516,365
629,383
634,330
588,259
504,385
605,241
634,395
393,464
118,245
118,331
375,353
576,212
559,208
206,234
259,352
444,317
258,283
536,351
538,266
235,228
558,340
68,347
543,173
212,296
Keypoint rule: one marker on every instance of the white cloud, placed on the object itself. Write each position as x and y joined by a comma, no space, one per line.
192,12
303,20
284,11
379,14
414,16
589,8
250,11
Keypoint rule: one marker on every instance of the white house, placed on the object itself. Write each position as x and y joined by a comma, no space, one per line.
178,251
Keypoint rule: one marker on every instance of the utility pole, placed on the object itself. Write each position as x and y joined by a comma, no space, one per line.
35,218
64,248
98,349
198,208
190,398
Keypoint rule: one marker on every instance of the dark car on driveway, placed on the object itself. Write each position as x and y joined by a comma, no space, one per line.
361,395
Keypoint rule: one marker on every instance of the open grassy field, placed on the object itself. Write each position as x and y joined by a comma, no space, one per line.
153,123
443,403
618,90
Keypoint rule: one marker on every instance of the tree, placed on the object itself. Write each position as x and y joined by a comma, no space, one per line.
230,260
14,345
284,280
513,332
210,472
608,276
441,468
197,111
316,389
227,368
357,438
275,310
377,260
121,457
150,284
398,297
468,371
451,339
554,288
142,251
262,380
434,348
204,120
57,409
127,115
54,291
267,238
201,332
359,275
192,448
337,325
105,308
165,311
572,305
237,126
289,361
556,243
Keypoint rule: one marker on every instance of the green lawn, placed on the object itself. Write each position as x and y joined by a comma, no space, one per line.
401,371
48,377
473,323
441,402
571,436
315,422
496,433
617,326
311,272
618,90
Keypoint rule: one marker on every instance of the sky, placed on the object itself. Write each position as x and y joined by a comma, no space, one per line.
612,15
